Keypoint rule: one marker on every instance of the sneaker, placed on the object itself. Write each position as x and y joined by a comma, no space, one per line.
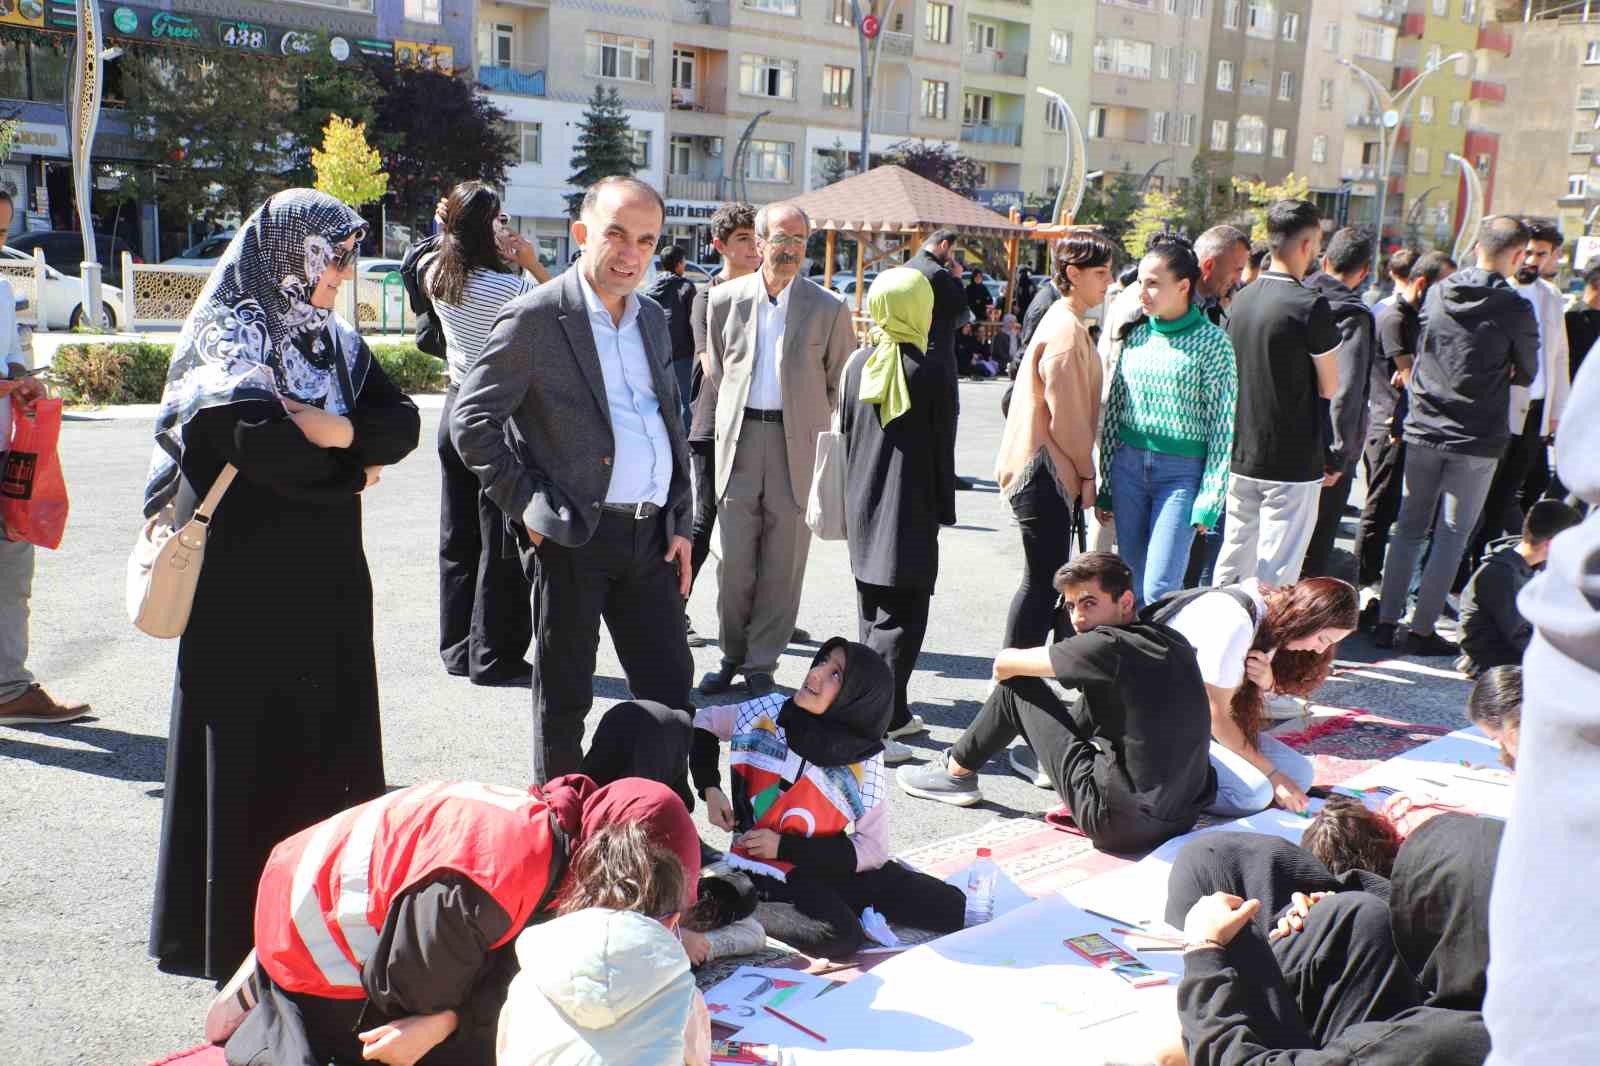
932,781
234,1000
1281,708
758,685
1025,761
1383,635
1369,615
719,680
695,639
744,937
1429,644
895,753
799,636
37,707
911,728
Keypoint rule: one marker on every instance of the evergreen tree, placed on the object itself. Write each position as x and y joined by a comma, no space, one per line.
605,146
835,164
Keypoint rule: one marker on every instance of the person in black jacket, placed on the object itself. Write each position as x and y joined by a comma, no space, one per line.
675,293
1033,314
1479,337
1493,631
949,304
978,298
1345,266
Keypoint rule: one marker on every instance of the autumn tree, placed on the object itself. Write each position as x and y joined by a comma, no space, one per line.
1258,195
347,167
1154,216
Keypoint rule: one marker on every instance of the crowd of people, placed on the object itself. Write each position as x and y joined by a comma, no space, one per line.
1178,455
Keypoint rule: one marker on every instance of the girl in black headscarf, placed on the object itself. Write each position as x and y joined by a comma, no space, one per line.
805,770
275,706
1439,903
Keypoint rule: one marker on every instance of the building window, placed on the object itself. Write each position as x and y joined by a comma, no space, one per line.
1164,66
1055,120
1186,130
682,68
1250,135
838,87
1158,127
1319,148
1291,26
1191,66
680,150
1225,75
1097,122
1441,7
767,76
1230,14
1591,53
641,148
1261,19
936,23
1280,143
1197,9
769,161
1330,36
529,138
982,36
1325,94
1469,10
1115,55
422,11
1060,46
611,55
504,44
1219,135
842,14
1435,54
935,99
1286,85
977,109
774,7
1419,159
1425,110
1456,109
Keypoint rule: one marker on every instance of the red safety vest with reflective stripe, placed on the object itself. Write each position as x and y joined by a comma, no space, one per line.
326,891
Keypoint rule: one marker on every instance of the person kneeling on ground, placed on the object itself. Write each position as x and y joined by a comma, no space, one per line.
1129,758
382,932
805,769
1252,642
1493,631
1495,706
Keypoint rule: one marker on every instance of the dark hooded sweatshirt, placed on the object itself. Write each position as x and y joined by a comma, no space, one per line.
1493,631
1479,337
1346,413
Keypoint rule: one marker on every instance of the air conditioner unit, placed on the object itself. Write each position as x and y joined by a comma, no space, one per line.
712,146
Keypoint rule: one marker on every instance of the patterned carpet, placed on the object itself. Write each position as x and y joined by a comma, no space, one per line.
1347,743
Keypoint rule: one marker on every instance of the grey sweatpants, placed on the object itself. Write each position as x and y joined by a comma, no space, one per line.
1268,530
1454,484
16,586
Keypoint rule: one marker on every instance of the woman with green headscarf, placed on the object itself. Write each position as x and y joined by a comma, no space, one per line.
898,423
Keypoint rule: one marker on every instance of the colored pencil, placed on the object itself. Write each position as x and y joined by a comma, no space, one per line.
782,1017
1109,918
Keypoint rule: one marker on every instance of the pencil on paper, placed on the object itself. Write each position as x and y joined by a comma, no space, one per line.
782,1017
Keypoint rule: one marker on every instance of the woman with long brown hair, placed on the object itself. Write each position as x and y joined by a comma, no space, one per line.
1252,641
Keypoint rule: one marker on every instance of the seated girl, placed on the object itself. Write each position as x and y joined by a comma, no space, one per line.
806,769
382,933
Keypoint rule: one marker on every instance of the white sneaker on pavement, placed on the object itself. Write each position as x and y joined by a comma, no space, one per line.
1025,762
895,753
744,937
911,728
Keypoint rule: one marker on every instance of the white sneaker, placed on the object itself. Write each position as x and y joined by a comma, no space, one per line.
236,999
895,753
1281,708
744,937
911,728
1025,762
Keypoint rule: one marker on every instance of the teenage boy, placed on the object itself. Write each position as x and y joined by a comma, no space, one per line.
1493,631
1287,345
1129,758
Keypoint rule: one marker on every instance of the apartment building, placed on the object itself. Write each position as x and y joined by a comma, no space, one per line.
1253,87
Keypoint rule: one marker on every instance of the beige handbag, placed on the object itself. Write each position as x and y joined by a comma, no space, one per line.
825,506
164,567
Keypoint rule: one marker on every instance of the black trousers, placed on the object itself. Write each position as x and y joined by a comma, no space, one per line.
642,738
820,914
1046,521
703,474
893,623
484,622
1330,511
1385,463
622,577
1088,780
1503,508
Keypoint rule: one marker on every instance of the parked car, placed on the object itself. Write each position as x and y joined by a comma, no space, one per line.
691,270
205,252
845,283
63,250
60,304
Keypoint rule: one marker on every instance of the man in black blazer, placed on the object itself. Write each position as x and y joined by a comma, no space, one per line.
571,422
949,304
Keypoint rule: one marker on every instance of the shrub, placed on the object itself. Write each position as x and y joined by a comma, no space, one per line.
410,368
90,373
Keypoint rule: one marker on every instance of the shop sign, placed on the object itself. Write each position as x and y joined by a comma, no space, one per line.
22,13
165,26
682,209
1001,200
125,20
296,43
242,36
440,57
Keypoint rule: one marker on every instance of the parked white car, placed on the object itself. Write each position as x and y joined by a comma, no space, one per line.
60,305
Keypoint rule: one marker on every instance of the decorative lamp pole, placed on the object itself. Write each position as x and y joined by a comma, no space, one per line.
1069,197
869,36
1472,217
83,115
1393,108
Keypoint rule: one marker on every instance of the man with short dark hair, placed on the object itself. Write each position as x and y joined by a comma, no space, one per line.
1130,757
1398,268
1260,258
1345,267
675,294
1287,343
1493,631
936,262
1479,337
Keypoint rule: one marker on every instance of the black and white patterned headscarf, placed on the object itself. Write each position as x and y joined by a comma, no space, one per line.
253,334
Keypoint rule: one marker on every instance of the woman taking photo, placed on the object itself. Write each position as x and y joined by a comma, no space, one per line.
1046,463
275,705
1168,433
485,623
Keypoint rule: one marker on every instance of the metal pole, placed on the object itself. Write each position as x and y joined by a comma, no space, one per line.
83,115
866,86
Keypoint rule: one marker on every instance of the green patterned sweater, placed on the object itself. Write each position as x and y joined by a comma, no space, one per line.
1173,389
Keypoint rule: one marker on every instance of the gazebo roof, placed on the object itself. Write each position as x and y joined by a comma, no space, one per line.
891,199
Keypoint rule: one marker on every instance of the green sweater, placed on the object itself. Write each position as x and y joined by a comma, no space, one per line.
1172,391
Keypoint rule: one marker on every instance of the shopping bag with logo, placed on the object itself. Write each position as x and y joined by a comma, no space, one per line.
33,493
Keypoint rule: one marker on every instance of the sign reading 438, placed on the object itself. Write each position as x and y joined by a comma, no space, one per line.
244,36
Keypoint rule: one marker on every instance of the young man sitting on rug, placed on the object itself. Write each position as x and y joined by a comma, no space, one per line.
1493,631
1129,757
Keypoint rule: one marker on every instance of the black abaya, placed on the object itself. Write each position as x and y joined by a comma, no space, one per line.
275,705
1440,906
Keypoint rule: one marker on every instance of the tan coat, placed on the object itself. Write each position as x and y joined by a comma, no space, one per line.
1056,403
817,340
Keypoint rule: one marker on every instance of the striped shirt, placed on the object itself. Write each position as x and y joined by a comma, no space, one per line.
466,325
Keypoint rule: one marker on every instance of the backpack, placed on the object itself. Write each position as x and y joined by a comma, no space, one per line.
430,334
1164,610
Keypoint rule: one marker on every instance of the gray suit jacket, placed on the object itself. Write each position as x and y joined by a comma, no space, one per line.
818,338
531,418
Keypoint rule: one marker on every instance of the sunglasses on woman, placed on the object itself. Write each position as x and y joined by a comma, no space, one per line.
346,257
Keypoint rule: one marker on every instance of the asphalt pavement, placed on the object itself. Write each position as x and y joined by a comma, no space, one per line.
81,803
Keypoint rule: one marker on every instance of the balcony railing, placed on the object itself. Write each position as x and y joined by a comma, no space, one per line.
896,122
997,63
701,12
1380,12
1365,172
688,187
901,45
1255,88
1365,120
1494,39
1582,146
518,79
1488,91
1008,133
1588,99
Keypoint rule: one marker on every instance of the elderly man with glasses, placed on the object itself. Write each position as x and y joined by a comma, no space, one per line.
776,346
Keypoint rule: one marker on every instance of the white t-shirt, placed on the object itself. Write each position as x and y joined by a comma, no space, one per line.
466,325
1221,631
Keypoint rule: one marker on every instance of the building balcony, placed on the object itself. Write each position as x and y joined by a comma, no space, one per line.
1414,25
1364,172
1488,91
517,79
699,100
899,45
1380,12
1588,99
689,187
1583,145
1255,88
1493,38
1367,120
1404,76
891,122
701,12
996,63
1006,133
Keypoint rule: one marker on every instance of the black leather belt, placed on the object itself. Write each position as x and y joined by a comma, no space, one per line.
635,511
756,414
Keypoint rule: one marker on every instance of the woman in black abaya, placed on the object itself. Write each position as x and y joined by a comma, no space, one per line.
275,705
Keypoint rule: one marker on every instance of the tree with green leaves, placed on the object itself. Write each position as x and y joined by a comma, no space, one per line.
835,164
326,86
348,168
939,163
604,148
1259,196
1156,215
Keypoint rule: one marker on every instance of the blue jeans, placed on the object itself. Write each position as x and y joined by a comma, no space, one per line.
1152,498
1244,790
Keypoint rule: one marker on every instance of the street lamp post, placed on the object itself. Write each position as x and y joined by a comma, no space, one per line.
869,71
1393,109
1069,197
83,115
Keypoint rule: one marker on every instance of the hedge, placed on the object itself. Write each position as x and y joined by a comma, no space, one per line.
136,371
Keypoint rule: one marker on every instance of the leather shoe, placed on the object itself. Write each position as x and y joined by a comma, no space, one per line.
759,685
718,681
36,707
520,676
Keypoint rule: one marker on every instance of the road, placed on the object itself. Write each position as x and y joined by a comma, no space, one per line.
82,802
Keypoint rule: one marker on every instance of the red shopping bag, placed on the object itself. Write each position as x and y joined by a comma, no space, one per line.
33,494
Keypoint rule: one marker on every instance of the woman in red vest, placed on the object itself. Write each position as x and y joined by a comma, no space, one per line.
385,932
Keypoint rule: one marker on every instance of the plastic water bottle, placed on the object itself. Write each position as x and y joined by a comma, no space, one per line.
980,889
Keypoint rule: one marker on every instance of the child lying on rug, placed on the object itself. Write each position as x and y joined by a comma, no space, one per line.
807,769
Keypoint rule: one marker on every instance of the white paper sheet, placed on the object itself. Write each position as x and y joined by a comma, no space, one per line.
737,999
1435,768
